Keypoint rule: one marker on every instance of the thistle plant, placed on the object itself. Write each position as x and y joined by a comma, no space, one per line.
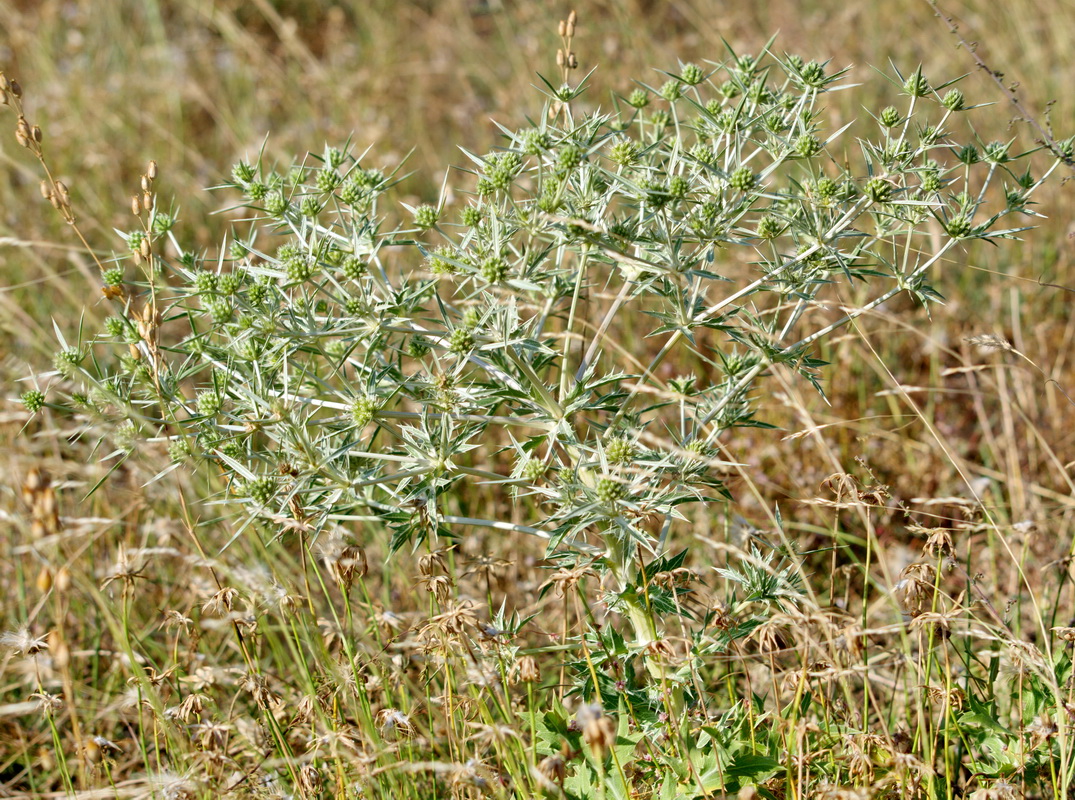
342,359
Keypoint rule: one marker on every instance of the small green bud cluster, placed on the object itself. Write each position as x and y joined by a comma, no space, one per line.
610,490
461,342
261,490
620,450
495,270
426,217
363,410
33,399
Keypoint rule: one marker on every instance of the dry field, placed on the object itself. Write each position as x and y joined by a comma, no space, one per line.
155,644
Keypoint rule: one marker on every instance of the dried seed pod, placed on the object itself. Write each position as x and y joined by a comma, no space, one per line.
147,183
552,769
62,581
563,28
58,649
147,201
14,88
44,580
559,57
5,84
151,170
46,190
35,132
572,62
136,206
145,248
527,670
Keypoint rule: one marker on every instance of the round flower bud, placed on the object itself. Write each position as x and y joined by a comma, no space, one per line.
299,269
672,91
205,282
353,268
461,341
242,172
328,179
878,190
742,179
807,146
33,399
115,326
569,157
624,152
931,182
209,402
494,270
638,98
471,217
959,227
261,490
620,450
678,187
692,75
426,217
363,411
890,117
953,100
916,85
609,490
813,75
276,205
661,119
827,188
968,155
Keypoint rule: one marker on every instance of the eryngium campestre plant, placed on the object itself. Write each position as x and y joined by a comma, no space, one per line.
333,366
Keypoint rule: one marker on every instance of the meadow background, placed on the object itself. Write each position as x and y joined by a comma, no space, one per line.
920,420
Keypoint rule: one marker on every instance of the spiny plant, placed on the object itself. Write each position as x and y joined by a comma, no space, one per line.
341,360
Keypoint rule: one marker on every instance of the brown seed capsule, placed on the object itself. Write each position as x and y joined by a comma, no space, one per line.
147,201
151,170
147,183
62,581
22,138
58,649
145,248
573,18
14,88
136,206
93,752
65,195
36,133
5,84
553,769
598,729
56,202
528,671
572,62
44,580
559,57
562,28
46,190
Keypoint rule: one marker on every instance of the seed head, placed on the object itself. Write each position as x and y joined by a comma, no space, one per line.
598,729
527,670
